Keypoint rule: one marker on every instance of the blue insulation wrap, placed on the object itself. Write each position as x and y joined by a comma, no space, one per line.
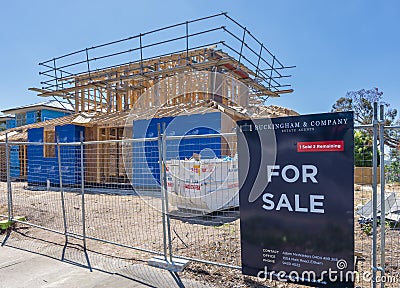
42,169
146,171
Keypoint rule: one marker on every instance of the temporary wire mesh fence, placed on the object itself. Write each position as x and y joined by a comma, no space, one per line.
387,188
363,195
3,182
202,185
116,212
391,168
108,193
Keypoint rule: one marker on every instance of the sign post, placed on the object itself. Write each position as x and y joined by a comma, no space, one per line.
296,177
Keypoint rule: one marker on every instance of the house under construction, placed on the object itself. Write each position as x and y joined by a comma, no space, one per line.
198,67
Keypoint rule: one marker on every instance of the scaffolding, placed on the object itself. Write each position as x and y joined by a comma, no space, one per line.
111,77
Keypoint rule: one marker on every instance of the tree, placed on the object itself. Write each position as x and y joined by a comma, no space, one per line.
362,103
363,153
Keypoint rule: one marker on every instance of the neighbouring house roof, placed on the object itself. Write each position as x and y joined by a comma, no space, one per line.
5,117
50,105
21,133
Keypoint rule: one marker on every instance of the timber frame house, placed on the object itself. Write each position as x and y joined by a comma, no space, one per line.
106,78
167,72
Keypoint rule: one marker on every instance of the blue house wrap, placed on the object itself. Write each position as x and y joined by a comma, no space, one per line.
41,169
50,114
146,171
14,162
11,124
31,117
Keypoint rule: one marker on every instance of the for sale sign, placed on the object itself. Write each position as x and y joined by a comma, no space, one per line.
296,177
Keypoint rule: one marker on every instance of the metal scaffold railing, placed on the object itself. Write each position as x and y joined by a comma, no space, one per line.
111,76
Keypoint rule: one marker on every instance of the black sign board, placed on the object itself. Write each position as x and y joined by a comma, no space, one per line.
296,177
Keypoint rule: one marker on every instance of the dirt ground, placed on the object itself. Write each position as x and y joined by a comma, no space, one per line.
137,223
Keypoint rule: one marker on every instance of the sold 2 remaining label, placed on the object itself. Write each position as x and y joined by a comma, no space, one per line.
321,146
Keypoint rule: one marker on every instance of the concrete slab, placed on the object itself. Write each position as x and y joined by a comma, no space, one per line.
43,269
27,260
23,269
177,264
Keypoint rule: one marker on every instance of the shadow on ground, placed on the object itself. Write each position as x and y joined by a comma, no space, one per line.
132,267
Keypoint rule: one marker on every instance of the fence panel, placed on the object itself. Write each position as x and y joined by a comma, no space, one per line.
363,190
116,211
392,207
3,181
37,195
203,198
387,248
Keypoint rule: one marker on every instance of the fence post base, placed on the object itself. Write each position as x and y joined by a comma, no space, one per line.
176,265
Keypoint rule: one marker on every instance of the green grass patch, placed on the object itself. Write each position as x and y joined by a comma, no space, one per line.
5,224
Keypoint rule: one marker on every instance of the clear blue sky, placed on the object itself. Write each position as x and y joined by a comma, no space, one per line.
337,46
